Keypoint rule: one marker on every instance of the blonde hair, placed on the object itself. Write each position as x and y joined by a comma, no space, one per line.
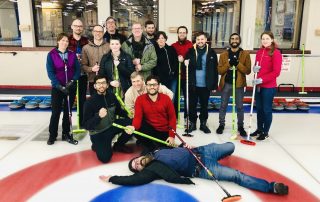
135,74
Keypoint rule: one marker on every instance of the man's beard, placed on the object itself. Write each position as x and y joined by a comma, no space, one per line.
182,40
152,94
235,45
150,34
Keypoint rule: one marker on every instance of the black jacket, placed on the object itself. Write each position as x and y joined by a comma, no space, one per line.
154,171
125,68
211,68
167,63
91,118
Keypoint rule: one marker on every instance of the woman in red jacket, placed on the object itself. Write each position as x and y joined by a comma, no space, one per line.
268,66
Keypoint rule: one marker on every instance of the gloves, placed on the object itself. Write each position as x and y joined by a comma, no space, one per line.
256,68
233,62
257,81
63,89
70,84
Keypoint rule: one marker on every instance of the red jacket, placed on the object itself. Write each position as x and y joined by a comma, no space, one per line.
270,67
182,49
159,114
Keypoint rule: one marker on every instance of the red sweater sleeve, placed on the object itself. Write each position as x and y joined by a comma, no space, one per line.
172,117
138,113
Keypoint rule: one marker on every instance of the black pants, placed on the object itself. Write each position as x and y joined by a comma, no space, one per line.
59,102
83,85
101,142
91,88
202,94
150,145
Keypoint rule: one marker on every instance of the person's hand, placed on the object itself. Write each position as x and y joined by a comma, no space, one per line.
115,83
171,142
63,89
188,146
136,61
138,67
257,81
129,129
180,58
70,84
233,61
116,62
105,178
256,68
103,112
95,68
186,62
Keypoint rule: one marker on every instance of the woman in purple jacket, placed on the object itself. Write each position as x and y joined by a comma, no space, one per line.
63,85
268,67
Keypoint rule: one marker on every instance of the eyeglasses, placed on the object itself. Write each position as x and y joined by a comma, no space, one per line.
101,83
152,84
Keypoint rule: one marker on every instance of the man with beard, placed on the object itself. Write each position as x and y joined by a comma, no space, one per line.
240,59
76,42
150,30
182,46
141,50
154,115
112,32
99,113
203,78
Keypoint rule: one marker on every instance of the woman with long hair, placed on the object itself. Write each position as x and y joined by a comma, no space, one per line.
268,67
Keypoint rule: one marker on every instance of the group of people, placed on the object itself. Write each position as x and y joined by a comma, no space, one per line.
143,71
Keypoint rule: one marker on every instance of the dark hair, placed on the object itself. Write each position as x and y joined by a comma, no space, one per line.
111,18
130,165
97,77
97,26
157,35
235,34
184,27
115,38
148,22
153,77
199,34
61,35
273,44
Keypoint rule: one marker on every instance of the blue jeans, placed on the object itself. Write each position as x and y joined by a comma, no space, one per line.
264,98
212,153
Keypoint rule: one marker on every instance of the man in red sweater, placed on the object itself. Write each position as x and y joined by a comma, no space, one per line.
154,115
182,46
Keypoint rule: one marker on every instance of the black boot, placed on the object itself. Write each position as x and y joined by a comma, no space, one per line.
220,129
280,189
256,133
51,140
242,132
192,127
204,127
263,136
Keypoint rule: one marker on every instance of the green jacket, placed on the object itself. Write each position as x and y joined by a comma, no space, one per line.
149,56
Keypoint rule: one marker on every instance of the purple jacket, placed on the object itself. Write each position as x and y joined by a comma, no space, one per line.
56,67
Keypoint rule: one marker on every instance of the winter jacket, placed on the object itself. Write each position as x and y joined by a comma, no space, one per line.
243,68
92,54
149,56
167,63
91,119
56,67
125,68
154,171
211,68
270,67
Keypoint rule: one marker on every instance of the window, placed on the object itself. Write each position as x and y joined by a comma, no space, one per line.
9,21
129,11
219,19
55,16
283,18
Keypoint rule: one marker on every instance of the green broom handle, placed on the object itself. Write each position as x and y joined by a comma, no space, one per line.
144,135
123,105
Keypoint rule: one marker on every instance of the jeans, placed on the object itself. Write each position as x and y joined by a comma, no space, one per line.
101,142
225,95
264,98
212,153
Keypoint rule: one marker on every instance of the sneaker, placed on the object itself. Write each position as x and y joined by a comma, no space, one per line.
122,149
220,129
263,136
242,132
204,127
280,189
256,133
